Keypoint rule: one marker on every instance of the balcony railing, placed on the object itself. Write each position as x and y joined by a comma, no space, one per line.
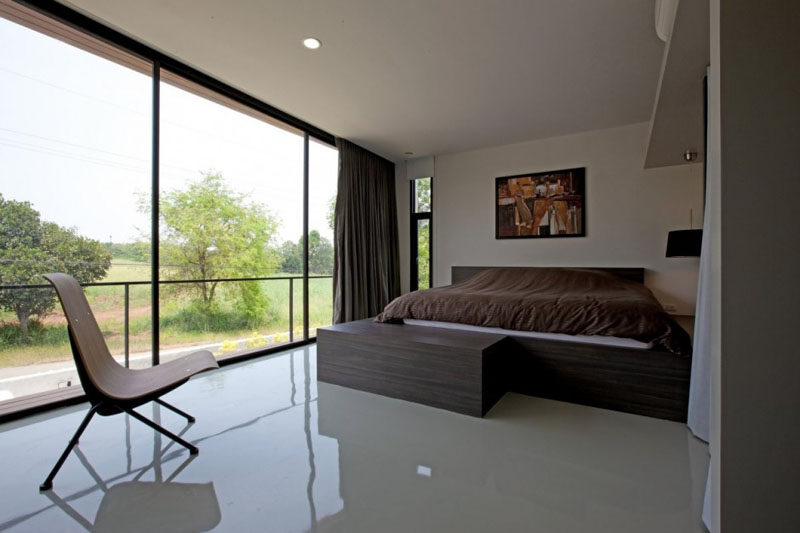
126,285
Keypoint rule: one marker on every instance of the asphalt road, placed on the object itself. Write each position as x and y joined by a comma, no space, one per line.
23,380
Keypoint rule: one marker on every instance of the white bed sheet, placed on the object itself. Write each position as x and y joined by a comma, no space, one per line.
587,339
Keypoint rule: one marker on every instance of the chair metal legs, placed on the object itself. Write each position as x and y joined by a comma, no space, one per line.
192,449
189,418
48,483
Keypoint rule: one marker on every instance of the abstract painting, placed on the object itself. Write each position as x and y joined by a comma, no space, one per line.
541,205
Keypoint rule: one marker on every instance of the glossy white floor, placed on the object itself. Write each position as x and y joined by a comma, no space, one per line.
278,452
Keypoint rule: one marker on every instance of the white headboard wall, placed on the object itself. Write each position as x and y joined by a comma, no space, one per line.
629,210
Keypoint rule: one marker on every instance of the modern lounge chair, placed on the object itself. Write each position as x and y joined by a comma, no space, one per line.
110,387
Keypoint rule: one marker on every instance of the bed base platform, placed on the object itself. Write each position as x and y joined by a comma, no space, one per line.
468,371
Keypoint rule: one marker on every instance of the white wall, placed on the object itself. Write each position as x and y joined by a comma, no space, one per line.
629,210
759,125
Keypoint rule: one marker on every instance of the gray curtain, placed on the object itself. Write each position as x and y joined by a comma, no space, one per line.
366,267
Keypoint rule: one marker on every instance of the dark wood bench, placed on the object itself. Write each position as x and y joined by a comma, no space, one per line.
462,371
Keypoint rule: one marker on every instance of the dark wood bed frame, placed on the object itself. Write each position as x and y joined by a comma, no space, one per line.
467,371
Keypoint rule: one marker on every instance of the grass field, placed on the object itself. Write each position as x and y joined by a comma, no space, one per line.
49,340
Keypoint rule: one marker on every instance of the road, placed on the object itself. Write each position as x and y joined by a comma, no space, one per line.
23,380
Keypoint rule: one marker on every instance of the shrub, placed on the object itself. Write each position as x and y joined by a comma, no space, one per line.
196,316
38,335
228,347
256,340
253,304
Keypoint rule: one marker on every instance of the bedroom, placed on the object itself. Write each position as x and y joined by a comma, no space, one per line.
457,107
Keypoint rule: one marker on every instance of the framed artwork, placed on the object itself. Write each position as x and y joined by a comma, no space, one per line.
541,205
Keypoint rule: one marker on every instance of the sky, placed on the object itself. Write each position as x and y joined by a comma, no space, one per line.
75,141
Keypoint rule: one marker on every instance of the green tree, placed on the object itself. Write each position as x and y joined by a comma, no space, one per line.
331,216
291,257
30,248
424,256
209,232
422,187
320,255
133,251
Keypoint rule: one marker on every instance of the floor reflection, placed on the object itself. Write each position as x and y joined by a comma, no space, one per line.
280,452
259,447
532,465
163,504
129,504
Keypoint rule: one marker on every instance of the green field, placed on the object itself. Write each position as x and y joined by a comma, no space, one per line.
180,325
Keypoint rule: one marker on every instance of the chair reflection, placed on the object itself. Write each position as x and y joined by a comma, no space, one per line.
135,505
123,490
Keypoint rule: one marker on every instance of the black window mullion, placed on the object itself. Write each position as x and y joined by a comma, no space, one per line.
305,236
154,200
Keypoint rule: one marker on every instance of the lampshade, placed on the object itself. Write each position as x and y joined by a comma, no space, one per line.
684,243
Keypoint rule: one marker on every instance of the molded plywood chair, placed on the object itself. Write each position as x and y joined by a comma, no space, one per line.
110,387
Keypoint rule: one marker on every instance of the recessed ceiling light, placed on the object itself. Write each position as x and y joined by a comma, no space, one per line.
409,153
311,43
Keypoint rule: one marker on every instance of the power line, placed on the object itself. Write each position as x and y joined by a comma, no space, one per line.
50,151
78,93
207,133
75,144
56,151
47,150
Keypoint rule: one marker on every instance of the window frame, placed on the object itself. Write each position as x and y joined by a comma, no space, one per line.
415,217
25,13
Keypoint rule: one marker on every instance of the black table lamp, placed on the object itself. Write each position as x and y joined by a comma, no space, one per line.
684,243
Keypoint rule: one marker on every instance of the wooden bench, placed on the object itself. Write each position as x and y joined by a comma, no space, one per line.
461,371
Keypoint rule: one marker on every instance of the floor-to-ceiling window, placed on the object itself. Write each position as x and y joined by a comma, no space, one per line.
75,152
231,196
99,146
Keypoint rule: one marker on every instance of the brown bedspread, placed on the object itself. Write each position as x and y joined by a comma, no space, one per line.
553,300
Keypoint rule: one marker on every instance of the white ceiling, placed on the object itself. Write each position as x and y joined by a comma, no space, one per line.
428,77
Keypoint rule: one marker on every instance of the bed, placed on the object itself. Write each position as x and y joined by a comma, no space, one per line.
645,371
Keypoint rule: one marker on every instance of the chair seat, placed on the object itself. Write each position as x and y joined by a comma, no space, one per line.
132,384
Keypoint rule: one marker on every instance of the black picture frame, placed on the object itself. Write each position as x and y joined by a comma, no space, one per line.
541,205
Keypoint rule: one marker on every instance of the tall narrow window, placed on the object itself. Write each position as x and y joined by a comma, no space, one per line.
421,234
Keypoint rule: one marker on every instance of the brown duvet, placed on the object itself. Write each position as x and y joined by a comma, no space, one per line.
553,300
